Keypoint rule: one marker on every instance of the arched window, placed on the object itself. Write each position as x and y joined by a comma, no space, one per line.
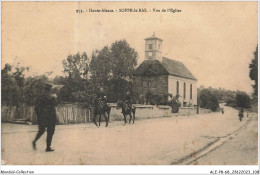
149,84
177,88
190,91
184,90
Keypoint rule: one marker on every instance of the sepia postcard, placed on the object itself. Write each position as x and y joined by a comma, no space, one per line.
129,83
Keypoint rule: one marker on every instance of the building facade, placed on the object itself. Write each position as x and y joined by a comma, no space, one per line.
158,76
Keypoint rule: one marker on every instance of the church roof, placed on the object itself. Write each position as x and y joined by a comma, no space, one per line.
177,68
151,67
166,67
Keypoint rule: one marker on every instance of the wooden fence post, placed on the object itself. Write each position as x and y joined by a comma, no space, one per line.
85,115
89,115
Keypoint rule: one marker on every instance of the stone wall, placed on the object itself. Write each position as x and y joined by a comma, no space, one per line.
142,112
156,85
184,111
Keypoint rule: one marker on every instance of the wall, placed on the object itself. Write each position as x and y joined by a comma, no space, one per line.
142,112
159,85
185,111
172,89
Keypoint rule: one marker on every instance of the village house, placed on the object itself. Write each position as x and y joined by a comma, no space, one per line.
158,76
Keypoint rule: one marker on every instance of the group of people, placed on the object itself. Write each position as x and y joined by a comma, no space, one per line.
241,114
45,111
101,97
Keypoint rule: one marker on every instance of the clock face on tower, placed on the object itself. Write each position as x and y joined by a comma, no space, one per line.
150,54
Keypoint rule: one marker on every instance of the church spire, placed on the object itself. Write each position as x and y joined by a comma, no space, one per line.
153,46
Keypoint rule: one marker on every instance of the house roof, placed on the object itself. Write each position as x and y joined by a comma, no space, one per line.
166,67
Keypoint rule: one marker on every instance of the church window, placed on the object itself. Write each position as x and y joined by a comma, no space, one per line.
190,91
177,88
184,90
150,46
149,84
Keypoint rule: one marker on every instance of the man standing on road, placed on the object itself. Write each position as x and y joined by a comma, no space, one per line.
241,114
46,115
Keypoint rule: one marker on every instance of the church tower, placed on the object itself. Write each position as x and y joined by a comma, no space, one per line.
153,48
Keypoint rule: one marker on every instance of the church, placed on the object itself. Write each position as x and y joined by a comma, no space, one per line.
158,76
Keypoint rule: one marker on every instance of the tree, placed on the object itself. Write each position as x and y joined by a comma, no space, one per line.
112,69
101,68
231,100
254,71
19,75
124,61
242,100
208,100
11,92
76,83
13,84
76,66
59,80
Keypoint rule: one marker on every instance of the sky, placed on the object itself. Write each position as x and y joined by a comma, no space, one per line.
215,40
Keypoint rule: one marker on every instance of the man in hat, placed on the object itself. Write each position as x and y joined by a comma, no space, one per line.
101,94
101,106
128,100
46,115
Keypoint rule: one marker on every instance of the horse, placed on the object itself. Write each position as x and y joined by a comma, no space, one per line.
101,108
108,110
126,110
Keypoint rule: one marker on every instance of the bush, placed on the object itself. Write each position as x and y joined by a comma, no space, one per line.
175,104
208,100
242,100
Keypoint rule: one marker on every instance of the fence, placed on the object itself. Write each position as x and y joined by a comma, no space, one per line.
8,113
66,114
70,114
73,113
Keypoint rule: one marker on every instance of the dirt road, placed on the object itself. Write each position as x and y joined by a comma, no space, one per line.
240,149
161,141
